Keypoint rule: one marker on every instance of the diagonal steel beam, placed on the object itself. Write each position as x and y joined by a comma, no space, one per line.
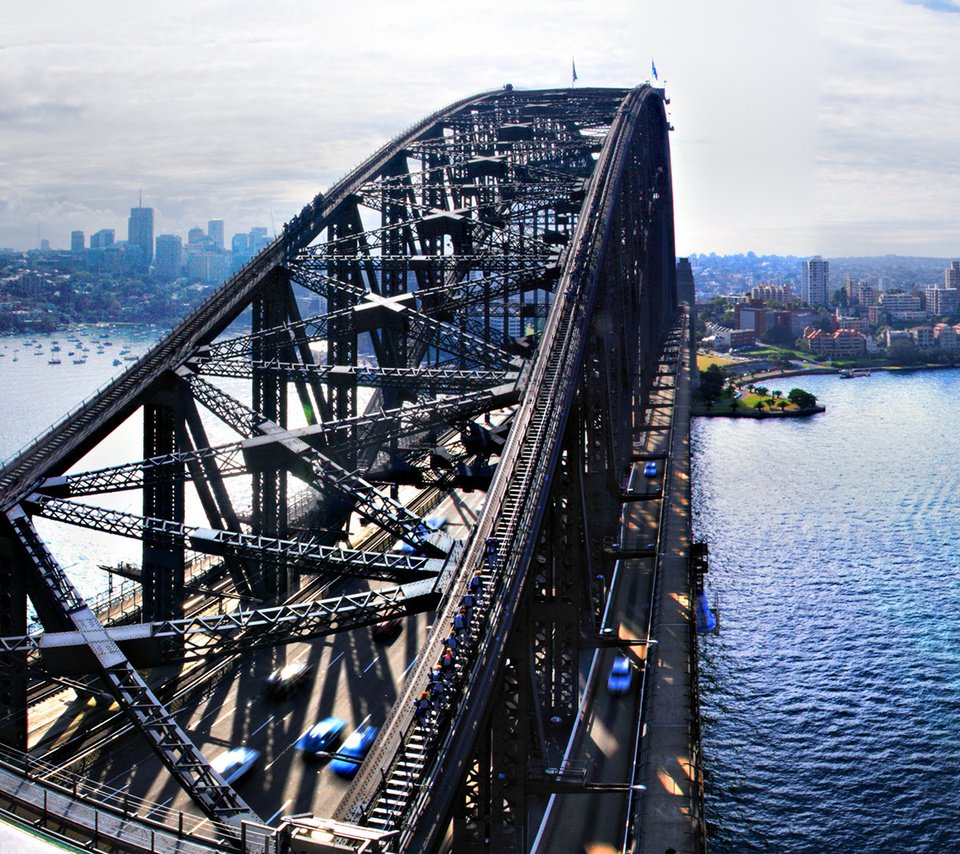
174,748
309,555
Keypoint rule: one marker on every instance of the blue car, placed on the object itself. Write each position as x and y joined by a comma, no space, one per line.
349,757
650,469
320,737
621,676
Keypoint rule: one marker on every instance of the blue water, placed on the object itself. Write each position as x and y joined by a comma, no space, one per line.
831,696
35,394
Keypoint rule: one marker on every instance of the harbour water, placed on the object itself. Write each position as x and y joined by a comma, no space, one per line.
831,696
42,378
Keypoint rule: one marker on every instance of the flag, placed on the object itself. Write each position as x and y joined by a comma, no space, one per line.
653,69
574,70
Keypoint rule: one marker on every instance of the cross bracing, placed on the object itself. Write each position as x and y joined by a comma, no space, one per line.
389,317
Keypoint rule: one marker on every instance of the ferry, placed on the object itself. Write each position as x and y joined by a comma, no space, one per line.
848,374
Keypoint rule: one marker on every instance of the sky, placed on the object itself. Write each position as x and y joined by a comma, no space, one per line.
802,127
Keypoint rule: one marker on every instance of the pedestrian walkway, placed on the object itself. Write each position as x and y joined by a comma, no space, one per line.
670,816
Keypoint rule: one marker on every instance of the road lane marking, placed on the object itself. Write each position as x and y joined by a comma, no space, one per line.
375,660
267,721
285,805
405,672
222,718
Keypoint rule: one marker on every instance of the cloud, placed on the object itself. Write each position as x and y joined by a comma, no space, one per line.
936,5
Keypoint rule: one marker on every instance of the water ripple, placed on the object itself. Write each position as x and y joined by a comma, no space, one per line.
831,698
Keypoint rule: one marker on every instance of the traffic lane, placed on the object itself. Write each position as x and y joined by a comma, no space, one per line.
597,819
353,677
357,678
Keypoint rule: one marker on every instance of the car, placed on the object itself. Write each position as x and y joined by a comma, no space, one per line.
387,630
235,763
317,740
405,548
621,676
349,757
284,680
650,469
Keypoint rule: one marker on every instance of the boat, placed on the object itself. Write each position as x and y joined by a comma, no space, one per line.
53,361
117,362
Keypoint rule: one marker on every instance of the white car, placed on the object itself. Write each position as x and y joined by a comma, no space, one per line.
236,762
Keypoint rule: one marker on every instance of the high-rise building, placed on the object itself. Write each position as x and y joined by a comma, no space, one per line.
140,233
215,232
76,242
257,239
816,275
169,256
102,238
951,276
195,235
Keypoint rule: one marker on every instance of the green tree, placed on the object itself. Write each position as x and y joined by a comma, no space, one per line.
802,399
711,383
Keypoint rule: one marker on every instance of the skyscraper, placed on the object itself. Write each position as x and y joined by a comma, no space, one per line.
76,242
140,233
169,256
102,238
215,232
816,275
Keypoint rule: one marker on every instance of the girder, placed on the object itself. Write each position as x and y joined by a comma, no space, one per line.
134,696
217,635
309,555
425,380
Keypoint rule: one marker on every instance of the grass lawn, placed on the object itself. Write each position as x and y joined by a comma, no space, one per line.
746,402
704,361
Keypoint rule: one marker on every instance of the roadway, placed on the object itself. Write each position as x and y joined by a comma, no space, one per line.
594,821
354,677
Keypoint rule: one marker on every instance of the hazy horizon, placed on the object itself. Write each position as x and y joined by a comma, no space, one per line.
817,127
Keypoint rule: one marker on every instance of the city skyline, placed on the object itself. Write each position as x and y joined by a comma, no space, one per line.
803,128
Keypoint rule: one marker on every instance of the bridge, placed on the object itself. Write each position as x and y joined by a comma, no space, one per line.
427,400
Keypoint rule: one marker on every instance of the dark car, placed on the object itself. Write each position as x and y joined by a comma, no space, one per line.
349,757
317,740
387,630
284,680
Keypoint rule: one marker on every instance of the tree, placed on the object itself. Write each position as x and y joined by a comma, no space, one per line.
711,383
759,406
802,399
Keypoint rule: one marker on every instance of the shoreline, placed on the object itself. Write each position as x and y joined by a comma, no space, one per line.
753,413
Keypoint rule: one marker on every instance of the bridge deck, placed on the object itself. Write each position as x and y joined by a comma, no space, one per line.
670,806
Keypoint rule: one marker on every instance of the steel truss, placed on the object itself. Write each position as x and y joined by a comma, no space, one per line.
614,302
455,273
